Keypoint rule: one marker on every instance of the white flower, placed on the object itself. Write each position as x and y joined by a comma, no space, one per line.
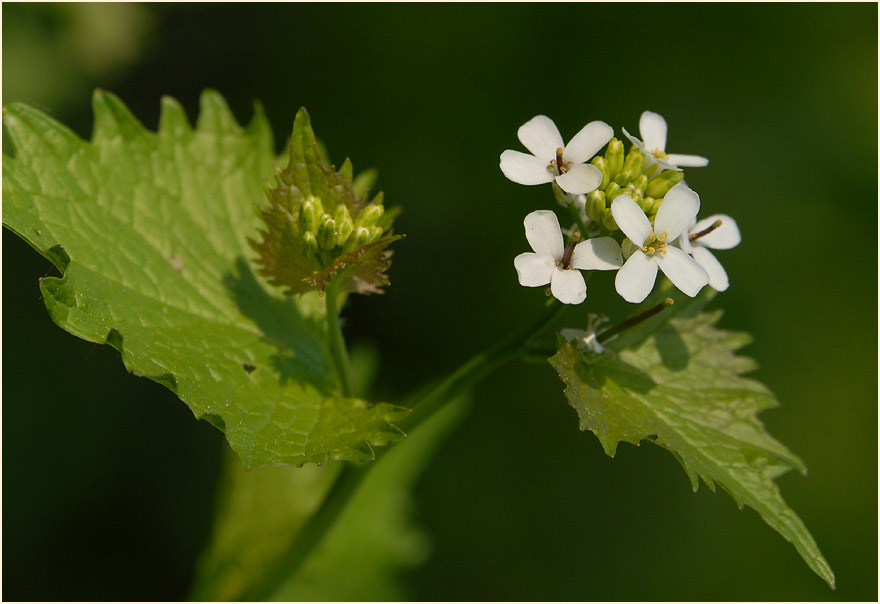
551,160
555,264
678,210
653,129
721,236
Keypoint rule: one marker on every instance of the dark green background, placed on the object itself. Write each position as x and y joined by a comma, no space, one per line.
108,480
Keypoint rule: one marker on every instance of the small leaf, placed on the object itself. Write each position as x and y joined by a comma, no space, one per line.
362,271
676,381
318,224
150,232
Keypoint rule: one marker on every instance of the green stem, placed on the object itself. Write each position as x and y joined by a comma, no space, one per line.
479,366
338,351
575,213
351,476
349,479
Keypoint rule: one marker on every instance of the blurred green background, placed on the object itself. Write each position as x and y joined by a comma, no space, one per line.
107,478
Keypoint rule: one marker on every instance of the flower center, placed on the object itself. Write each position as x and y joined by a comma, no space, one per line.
565,263
655,243
705,231
557,165
659,154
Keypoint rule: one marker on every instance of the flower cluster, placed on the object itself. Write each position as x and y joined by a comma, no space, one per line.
633,213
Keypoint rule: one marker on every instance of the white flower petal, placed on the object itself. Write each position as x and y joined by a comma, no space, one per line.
638,143
580,178
544,234
682,270
631,219
540,136
717,275
525,169
664,164
636,279
685,244
586,143
568,286
598,254
653,129
677,212
534,270
723,238
688,161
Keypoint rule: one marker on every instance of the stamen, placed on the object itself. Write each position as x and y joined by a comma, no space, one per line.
561,168
569,250
658,153
705,231
613,331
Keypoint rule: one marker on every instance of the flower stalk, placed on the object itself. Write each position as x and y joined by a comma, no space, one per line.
338,350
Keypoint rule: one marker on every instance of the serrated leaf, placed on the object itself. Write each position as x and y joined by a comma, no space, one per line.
150,232
286,258
361,271
682,388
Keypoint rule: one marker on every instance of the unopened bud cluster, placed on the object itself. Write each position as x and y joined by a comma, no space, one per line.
626,175
337,232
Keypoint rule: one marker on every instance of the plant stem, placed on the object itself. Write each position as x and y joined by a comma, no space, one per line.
314,531
575,213
338,351
478,367
351,476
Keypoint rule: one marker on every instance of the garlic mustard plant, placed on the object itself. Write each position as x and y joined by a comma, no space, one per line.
719,232
551,161
653,129
270,367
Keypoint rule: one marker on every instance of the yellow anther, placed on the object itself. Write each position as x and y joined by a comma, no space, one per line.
658,153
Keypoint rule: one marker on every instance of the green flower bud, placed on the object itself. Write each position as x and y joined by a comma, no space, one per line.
327,233
600,163
627,248
608,221
359,238
375,233
660,184
310,241
640,184
612,191
614,157
344,228
595,205
370,215
634,161
655,205
311,214
624,178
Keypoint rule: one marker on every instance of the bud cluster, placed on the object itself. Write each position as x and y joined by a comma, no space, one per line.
336,232
628,175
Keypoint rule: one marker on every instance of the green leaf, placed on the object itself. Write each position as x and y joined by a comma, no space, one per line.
150,232
676,381
262,512
297,249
